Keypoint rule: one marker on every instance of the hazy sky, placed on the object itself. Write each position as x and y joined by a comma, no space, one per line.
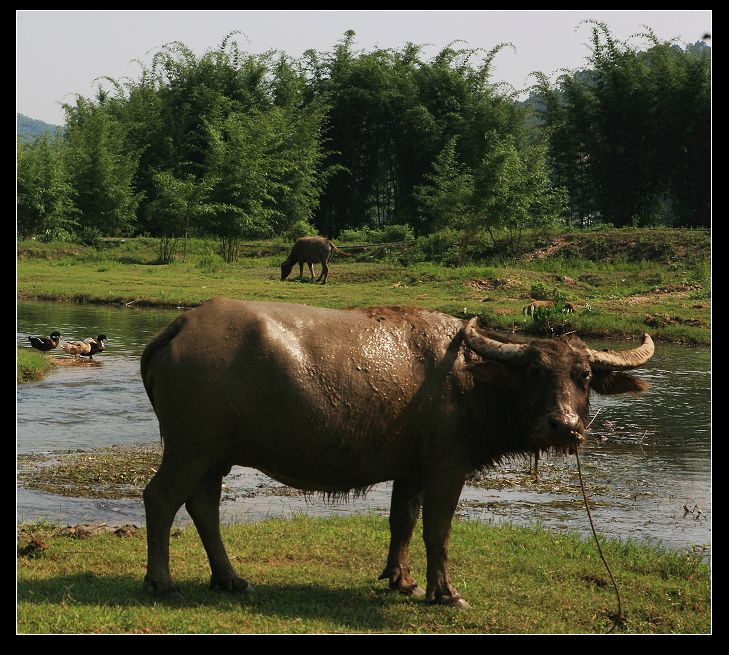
59,53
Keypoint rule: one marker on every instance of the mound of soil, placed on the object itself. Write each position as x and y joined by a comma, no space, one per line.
633,245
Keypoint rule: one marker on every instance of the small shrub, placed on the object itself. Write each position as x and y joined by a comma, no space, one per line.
90,236
538,292
209,263
701,273
550,320
394,233
442,247
300,228
541,292
56,234
386,234
167,250
360,236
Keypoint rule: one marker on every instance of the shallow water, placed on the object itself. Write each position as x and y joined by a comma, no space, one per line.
647,458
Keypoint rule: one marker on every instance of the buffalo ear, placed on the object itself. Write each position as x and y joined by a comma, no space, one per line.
612,382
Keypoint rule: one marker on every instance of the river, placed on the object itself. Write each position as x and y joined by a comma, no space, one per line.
647,463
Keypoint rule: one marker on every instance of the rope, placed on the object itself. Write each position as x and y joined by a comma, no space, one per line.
618,619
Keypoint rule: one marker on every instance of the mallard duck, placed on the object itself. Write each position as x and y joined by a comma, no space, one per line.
44,344
86,348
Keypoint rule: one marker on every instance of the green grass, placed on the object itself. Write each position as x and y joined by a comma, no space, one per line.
320,575
32,365
617,296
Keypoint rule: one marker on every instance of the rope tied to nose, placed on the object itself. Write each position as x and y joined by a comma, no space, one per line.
618,618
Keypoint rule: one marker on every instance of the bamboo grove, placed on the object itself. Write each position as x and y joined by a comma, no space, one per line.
234,145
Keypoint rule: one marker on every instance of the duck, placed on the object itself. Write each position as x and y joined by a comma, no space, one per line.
86,348
97,345
76,348
44,344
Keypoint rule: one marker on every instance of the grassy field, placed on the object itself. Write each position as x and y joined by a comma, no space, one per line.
311,575
622,282
320,575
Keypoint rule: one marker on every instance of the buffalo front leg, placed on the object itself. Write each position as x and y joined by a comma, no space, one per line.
163,496
204,508
405,506
441,497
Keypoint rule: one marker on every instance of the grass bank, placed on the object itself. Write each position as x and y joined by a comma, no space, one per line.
310,575
621,282
32,365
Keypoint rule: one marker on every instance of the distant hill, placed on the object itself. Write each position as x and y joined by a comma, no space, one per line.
31,128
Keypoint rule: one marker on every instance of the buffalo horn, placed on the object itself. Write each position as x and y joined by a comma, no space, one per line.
510,353
624,360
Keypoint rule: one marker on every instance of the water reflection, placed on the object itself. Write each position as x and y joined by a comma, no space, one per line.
650,454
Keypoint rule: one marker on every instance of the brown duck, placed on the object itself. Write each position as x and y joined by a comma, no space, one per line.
86,348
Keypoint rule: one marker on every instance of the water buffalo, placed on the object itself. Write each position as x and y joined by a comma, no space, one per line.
311,250
535,305
338,400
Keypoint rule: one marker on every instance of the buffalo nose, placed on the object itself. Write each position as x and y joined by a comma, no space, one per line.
569,422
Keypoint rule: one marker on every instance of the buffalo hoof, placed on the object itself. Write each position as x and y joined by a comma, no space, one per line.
415,592
168,593
408,590
451,601
403,584
232,583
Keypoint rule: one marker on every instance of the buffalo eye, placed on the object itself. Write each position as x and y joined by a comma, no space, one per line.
582,376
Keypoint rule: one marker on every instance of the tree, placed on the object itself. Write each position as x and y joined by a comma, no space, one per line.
177,206
507,189
513,189
568,113
235,136
391,115
447,197
267,171
102,165
631,136
44,193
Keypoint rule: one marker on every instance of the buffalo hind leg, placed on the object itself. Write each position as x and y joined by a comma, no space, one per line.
441,497
324,273
204,508
163,496
405,506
